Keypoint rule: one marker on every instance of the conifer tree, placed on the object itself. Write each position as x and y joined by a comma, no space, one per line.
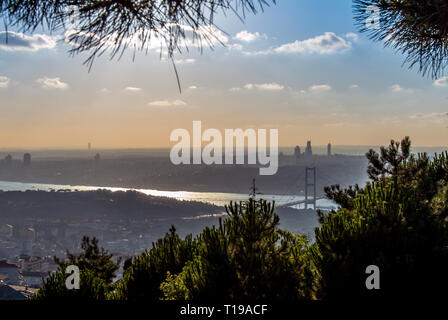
97,271
397,222
416,28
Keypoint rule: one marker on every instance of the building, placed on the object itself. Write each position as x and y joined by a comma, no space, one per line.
308,150
30,263
8,160
297,152
33,278
27,159
329,150
6,230
27,237
24,233
27,246
89,146
8,292
10,272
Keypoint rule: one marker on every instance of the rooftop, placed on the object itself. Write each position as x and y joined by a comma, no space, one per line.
6,264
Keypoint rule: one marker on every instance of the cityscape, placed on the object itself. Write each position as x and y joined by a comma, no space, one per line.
28,244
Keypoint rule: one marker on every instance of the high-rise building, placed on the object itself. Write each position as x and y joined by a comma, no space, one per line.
329,150
297,152
89,146
8,159
308,150
27,159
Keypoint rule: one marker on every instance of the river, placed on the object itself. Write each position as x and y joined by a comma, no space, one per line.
216,198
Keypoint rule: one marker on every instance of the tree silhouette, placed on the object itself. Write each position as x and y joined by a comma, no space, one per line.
245,257
115,25
97,271
398,222
416,28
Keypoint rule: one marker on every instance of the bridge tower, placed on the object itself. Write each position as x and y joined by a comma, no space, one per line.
310,173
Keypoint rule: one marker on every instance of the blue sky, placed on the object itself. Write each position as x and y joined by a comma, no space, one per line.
300,67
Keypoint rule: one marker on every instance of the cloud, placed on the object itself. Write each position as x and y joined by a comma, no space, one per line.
75,38
132,89
247,36
14,41
235,46
207,35
320,87
352,36
184,61
218,37
167,103
337,124
327,43
52,83
265,86
4,82
397,88
434,117
442,82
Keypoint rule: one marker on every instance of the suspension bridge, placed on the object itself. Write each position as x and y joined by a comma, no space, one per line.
310,193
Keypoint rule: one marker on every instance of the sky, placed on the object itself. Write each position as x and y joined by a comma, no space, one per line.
300,67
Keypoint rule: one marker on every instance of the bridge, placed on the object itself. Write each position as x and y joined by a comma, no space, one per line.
310,188
298,202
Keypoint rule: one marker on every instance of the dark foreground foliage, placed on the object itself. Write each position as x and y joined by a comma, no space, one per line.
97,271
416,28
397,222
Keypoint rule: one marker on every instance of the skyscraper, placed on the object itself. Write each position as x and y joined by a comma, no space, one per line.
27,159
297,152
308,150
8,159
329,150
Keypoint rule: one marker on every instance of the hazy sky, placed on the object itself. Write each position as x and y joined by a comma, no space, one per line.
300,67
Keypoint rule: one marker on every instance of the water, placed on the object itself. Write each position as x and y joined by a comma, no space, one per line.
216,198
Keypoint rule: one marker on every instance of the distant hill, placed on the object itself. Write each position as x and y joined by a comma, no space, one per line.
100,204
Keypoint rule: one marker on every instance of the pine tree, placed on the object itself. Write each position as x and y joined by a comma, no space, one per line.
418,29
97,271
96,27
245,257
397,222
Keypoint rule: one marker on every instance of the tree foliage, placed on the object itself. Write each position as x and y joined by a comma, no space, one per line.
397,222
246,258
144,273
114,25
97,271
94,258
416,28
